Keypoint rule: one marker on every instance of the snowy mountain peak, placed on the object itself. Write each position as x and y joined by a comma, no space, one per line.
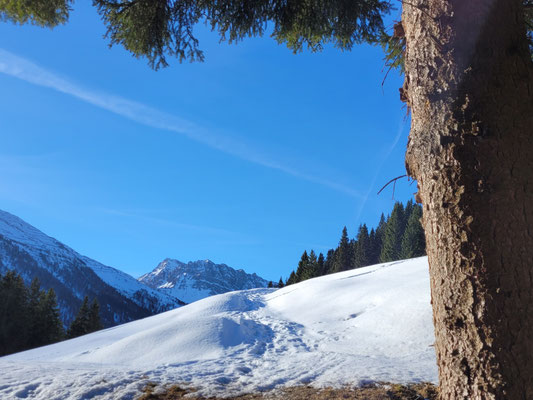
198,279
33,254
20,231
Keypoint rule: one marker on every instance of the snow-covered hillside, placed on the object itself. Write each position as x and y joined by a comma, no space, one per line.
33,254
372,323
199,279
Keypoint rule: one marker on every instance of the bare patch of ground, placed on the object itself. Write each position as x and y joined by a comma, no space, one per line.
382,391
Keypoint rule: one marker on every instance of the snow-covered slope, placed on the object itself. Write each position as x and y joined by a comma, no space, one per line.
31,253
198,279
372,323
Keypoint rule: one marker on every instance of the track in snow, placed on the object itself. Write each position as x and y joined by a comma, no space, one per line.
370,324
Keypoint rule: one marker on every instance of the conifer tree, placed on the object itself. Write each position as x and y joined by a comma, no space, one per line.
329,263
280,283
343,256
14,314
362,248
310,270
302,265
291,279
270,284
392,238
37,319
408,209
80,325
373,252
29,317
94,321
320,263
53,329
377,242
353,253
414,241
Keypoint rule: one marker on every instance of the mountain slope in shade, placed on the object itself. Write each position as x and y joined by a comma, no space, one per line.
33,254
367,324
198,279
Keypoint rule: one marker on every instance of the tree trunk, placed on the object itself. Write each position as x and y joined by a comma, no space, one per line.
469,85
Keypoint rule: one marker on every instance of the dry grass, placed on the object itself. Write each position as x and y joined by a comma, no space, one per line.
369,392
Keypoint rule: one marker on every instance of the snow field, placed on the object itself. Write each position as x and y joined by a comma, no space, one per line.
369,324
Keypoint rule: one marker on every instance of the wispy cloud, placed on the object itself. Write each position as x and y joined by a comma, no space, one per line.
167,222
21,68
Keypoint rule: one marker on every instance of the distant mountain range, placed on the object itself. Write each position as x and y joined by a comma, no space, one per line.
33,254
196,280
122,298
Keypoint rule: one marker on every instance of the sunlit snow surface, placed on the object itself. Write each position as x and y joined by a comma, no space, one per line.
369,324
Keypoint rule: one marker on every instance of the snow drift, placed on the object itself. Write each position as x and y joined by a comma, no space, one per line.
369,324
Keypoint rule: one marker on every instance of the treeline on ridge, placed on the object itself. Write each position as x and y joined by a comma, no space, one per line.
30,317
398,236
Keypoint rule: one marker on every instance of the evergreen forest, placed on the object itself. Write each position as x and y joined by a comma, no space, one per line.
398,236
30,317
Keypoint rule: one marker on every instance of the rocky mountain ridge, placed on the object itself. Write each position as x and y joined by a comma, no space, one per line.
33,254
198,279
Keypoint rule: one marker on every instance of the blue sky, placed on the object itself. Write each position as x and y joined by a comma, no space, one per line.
248,158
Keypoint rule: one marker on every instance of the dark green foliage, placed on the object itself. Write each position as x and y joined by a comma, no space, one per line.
53,327
310,270
29,317
377,241
48,13
156,29
270,284
362,250
397,237
291,279
392,237
307,267
302,265
45,321
14,314
408,209
344,254
95,323
280,283
414,241
373,256
87,320
329,262
36,318
320,265
394,47
80,325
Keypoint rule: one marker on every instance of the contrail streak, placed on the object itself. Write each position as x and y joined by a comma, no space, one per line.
378,170
23,69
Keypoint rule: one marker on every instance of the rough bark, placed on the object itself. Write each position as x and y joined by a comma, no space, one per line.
469,85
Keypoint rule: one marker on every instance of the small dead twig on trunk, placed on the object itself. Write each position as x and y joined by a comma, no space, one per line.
394,186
